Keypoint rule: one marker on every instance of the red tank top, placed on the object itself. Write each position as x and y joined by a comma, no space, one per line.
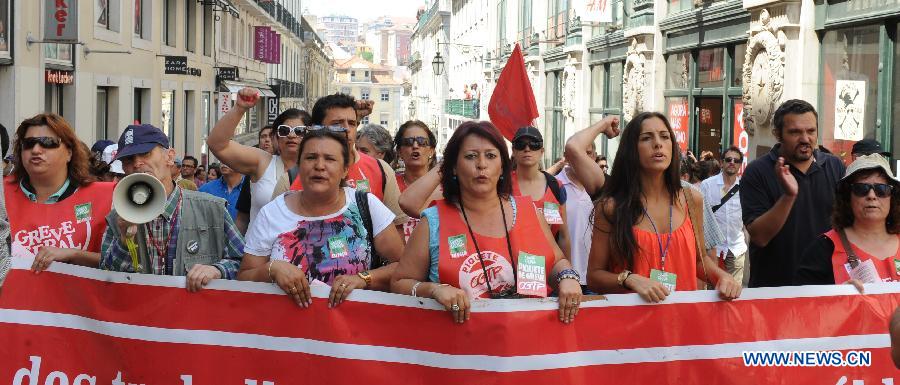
365,174
76,222
459,265
681,258
539,204
887,268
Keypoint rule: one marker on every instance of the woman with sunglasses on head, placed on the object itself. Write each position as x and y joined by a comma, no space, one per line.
480,242
647,231
327,231
866,221
57,209
268,178
416,148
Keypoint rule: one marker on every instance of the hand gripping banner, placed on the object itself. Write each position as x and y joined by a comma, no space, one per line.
76,325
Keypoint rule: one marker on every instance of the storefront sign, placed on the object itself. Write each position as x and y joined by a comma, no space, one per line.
59,77
596,11
678,118
741,139
261,40
228,73
176,65
272,109
61,21
224,103
849,109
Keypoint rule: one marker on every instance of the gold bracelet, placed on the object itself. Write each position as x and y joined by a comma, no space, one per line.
271,280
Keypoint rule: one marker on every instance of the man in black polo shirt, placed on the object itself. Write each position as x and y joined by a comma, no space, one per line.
787,195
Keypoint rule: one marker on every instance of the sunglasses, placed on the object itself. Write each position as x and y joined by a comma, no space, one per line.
421,140
532,145
44,141
285,130
731,160
862,189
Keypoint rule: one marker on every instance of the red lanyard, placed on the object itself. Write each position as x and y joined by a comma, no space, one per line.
161,249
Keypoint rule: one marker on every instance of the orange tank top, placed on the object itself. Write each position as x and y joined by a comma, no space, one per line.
888,269
539,204
681,258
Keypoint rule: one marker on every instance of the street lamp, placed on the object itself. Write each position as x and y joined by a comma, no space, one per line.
438,64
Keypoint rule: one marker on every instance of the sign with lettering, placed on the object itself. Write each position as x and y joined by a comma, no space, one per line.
176,65
261,40
678,118
60,21
272,109
741,138
59,77
228,73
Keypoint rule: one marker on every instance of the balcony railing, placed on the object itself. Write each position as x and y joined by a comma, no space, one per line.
462,107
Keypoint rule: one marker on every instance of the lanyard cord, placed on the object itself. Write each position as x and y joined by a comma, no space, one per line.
487,279
662,252
163,249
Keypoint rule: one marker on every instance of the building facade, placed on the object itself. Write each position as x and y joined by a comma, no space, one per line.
429,90
717,69
367,81
342,31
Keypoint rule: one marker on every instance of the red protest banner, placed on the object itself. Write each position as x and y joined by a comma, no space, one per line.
512,104
79,325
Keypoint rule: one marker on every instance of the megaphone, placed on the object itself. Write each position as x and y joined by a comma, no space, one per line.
138,198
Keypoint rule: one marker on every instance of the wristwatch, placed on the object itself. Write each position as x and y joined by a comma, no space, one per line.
623,276
366,276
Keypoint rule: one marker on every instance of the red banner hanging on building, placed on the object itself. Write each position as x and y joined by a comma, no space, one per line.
261,43
741,139
76,325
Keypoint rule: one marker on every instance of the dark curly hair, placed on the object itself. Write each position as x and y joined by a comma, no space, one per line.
78,166
842,214
326,103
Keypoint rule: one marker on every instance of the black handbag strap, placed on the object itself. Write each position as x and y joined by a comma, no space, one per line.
731,193
362,203
852,259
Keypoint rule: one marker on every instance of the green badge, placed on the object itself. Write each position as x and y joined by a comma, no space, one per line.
551,213
897,266
667,279
363,185
83,212
457,246
337,247
532,275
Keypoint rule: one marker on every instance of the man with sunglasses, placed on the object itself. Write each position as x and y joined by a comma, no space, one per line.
366,173
786,195
722,192
194,236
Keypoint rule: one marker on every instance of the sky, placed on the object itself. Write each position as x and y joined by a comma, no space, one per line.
364,10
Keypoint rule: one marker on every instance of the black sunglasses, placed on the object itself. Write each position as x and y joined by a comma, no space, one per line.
731,160
285,130
421,140
862,189
533,145
44,141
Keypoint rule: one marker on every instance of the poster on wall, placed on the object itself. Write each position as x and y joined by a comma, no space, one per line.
678,117
741,139
224,103
849,109
597,11
5,19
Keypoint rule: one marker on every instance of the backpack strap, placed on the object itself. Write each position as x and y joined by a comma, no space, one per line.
696,215
553,184
852,259
383,176
362,203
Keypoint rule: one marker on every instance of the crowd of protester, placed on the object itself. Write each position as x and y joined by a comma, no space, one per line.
322,198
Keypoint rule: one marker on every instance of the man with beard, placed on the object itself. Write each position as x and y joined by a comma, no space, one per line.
721,191
194,236
786,195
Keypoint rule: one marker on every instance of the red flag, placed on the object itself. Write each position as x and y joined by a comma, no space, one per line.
512,104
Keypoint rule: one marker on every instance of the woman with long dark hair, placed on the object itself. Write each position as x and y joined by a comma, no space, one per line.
647,235
480,242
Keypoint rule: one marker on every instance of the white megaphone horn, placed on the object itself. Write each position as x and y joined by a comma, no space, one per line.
138,198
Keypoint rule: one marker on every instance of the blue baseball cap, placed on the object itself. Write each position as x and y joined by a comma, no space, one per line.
140,139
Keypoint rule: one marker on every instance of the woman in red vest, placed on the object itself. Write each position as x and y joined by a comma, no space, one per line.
646,227
57,210
866,218
480,242
529,180
415,145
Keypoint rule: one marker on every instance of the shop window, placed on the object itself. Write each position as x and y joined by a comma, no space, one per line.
850,87
597,86
737,69
615,82
678,71
167,115
711,67
678,112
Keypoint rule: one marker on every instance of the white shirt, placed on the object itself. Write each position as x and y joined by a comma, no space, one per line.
261,190
729,216
578,217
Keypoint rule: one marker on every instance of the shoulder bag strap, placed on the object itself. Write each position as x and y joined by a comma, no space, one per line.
362,203
698,231
852,259
731,193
